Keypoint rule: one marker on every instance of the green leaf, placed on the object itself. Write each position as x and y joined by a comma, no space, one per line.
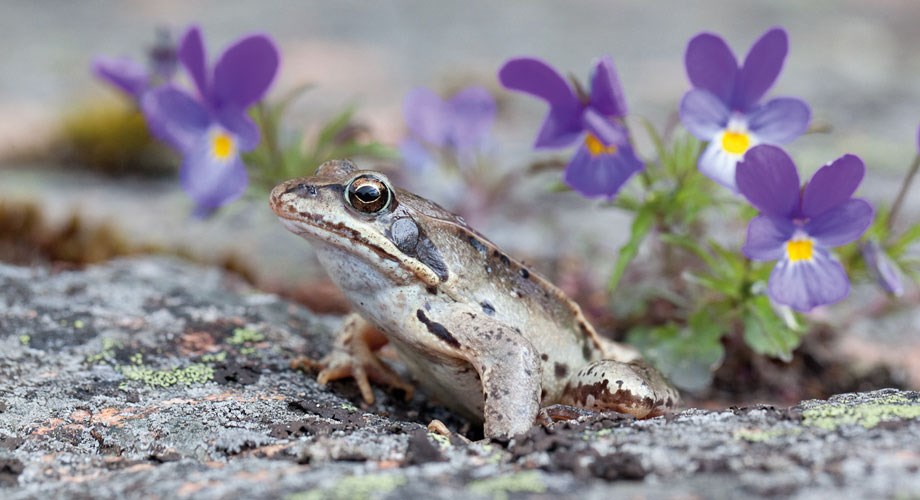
766,333
334,127
904,241
686,356
642,224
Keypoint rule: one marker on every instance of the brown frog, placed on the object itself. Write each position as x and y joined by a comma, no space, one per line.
487,336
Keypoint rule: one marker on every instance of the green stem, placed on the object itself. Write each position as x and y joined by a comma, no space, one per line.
896,207
270,136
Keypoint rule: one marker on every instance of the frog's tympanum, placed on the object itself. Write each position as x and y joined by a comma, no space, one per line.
487,336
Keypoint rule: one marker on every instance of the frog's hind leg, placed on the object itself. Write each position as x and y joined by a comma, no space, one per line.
634,387
353,355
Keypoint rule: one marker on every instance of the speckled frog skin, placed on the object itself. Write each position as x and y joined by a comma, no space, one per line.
477,329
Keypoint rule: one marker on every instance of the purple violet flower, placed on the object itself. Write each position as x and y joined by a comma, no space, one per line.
798,226
459,125
605,160
212,128
723,106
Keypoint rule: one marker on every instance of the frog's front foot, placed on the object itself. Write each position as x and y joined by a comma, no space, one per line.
635,388
353,356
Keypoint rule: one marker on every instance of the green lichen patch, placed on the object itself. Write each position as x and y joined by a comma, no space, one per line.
867,413
196,373
354,487
758,435
499,488
245,335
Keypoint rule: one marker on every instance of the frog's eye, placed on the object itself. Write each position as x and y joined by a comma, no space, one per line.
368,194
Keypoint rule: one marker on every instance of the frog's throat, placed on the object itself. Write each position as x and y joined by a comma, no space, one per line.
400,267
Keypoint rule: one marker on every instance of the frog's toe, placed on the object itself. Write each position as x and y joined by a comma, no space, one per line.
364,370
634,388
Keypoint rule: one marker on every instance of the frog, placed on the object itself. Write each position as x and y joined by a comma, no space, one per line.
486,335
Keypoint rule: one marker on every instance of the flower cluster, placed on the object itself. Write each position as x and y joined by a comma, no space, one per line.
458,126
605,159
208,126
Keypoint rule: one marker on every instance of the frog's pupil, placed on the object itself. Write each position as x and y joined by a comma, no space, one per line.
367,193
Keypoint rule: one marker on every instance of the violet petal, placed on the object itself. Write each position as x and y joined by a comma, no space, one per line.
842,224
562,125
885,271
192,56
124,73
767,237
241,125
245,71
415,157
832,185
805,285
703,114
767,177
209,181
175,117
425,115
602,128
603,175
471,114
780,120
711,65
761,68
606,91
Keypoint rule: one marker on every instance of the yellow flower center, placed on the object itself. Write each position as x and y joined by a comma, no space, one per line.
222,145
799,250
735,142
596,147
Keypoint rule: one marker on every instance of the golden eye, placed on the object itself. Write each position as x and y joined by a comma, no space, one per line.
368,194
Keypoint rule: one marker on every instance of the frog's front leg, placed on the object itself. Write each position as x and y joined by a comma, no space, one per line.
508,365
353,355
633,387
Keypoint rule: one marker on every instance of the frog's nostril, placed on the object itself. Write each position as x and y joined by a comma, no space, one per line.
301,189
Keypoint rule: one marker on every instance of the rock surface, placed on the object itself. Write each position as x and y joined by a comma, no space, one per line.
155,378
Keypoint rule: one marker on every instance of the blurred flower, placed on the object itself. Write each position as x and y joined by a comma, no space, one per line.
134,78
799,226
458,126
880,265
723,106
211,128
604,160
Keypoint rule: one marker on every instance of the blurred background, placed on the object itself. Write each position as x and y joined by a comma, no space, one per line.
854,62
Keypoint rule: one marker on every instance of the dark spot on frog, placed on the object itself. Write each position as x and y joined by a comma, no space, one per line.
404,234
542,394
432,290
525,273
561,370
437,329
487,307
586,351
302,190
478,245
412,241
502,257
427,305
544,357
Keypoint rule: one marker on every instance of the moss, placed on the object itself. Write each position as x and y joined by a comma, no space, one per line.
354,487
196,373
24,339
107,352
500,487
834,413
244,335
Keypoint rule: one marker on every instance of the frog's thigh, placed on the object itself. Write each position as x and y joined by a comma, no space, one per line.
635,388
508,365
